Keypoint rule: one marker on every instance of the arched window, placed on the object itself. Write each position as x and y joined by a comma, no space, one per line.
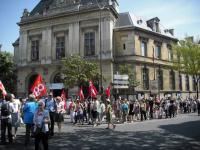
187,83
145,76
172,79
160,78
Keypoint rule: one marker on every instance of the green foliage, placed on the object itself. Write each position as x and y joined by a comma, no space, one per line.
188,57
7,74
76,70
127,69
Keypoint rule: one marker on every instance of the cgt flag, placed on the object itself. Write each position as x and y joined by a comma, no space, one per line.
2,89
81,95
92,90
63,96
38,88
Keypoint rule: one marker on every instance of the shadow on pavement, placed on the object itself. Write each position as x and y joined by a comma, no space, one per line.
176,136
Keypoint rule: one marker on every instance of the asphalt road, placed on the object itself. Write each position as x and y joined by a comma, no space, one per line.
180,133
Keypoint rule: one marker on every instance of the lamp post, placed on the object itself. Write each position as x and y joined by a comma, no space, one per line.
100,47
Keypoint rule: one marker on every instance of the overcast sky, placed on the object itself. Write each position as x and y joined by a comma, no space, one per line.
181,15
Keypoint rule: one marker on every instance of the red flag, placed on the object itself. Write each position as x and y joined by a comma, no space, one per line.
38,88
81,95
92,89
63,96
2,89
108,91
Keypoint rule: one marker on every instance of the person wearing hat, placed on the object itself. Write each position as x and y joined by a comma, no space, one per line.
50,105
109,114
29,109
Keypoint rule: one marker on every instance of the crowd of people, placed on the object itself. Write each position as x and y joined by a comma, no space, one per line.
40,115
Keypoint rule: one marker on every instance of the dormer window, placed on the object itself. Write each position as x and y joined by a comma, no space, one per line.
154,24
139,21
157,27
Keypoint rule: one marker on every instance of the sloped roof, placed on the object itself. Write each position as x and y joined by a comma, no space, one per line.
127,19
40,6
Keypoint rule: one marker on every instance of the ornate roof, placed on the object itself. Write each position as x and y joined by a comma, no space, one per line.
128,20
47,5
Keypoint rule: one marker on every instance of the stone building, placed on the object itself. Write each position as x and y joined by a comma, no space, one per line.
147,45
95,30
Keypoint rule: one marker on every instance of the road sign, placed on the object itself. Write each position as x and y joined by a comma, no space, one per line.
120,81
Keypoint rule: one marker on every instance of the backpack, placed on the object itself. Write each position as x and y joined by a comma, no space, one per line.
5,109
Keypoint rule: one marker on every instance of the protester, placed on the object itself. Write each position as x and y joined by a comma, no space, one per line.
143,109
15,114
41,120
125,110
28,111
50,105
103,111
6,119
72,111
198,107
109,114
59,118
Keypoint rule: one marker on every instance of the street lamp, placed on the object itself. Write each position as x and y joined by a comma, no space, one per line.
100,48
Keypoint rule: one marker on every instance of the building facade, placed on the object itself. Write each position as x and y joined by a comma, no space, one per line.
95,30
147,45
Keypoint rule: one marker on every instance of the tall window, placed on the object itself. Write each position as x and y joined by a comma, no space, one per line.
144,48
170,52
158,51
172,79
60,47
180,82
194,84
187,83
145,75
35,50
160,79
89,44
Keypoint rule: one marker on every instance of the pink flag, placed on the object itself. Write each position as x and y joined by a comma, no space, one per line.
81,94
63,96
92,90
108,91
2,89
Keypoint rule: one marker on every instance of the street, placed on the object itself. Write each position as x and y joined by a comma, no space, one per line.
181,132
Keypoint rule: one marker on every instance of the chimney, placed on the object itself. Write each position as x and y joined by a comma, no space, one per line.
171,31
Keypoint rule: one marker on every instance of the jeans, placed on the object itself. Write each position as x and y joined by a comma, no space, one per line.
29,131
41,137
6,124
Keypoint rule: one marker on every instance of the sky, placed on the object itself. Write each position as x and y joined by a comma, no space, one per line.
181,15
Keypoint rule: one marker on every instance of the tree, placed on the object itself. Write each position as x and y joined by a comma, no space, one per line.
76,70
187,59
127,69
7,74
